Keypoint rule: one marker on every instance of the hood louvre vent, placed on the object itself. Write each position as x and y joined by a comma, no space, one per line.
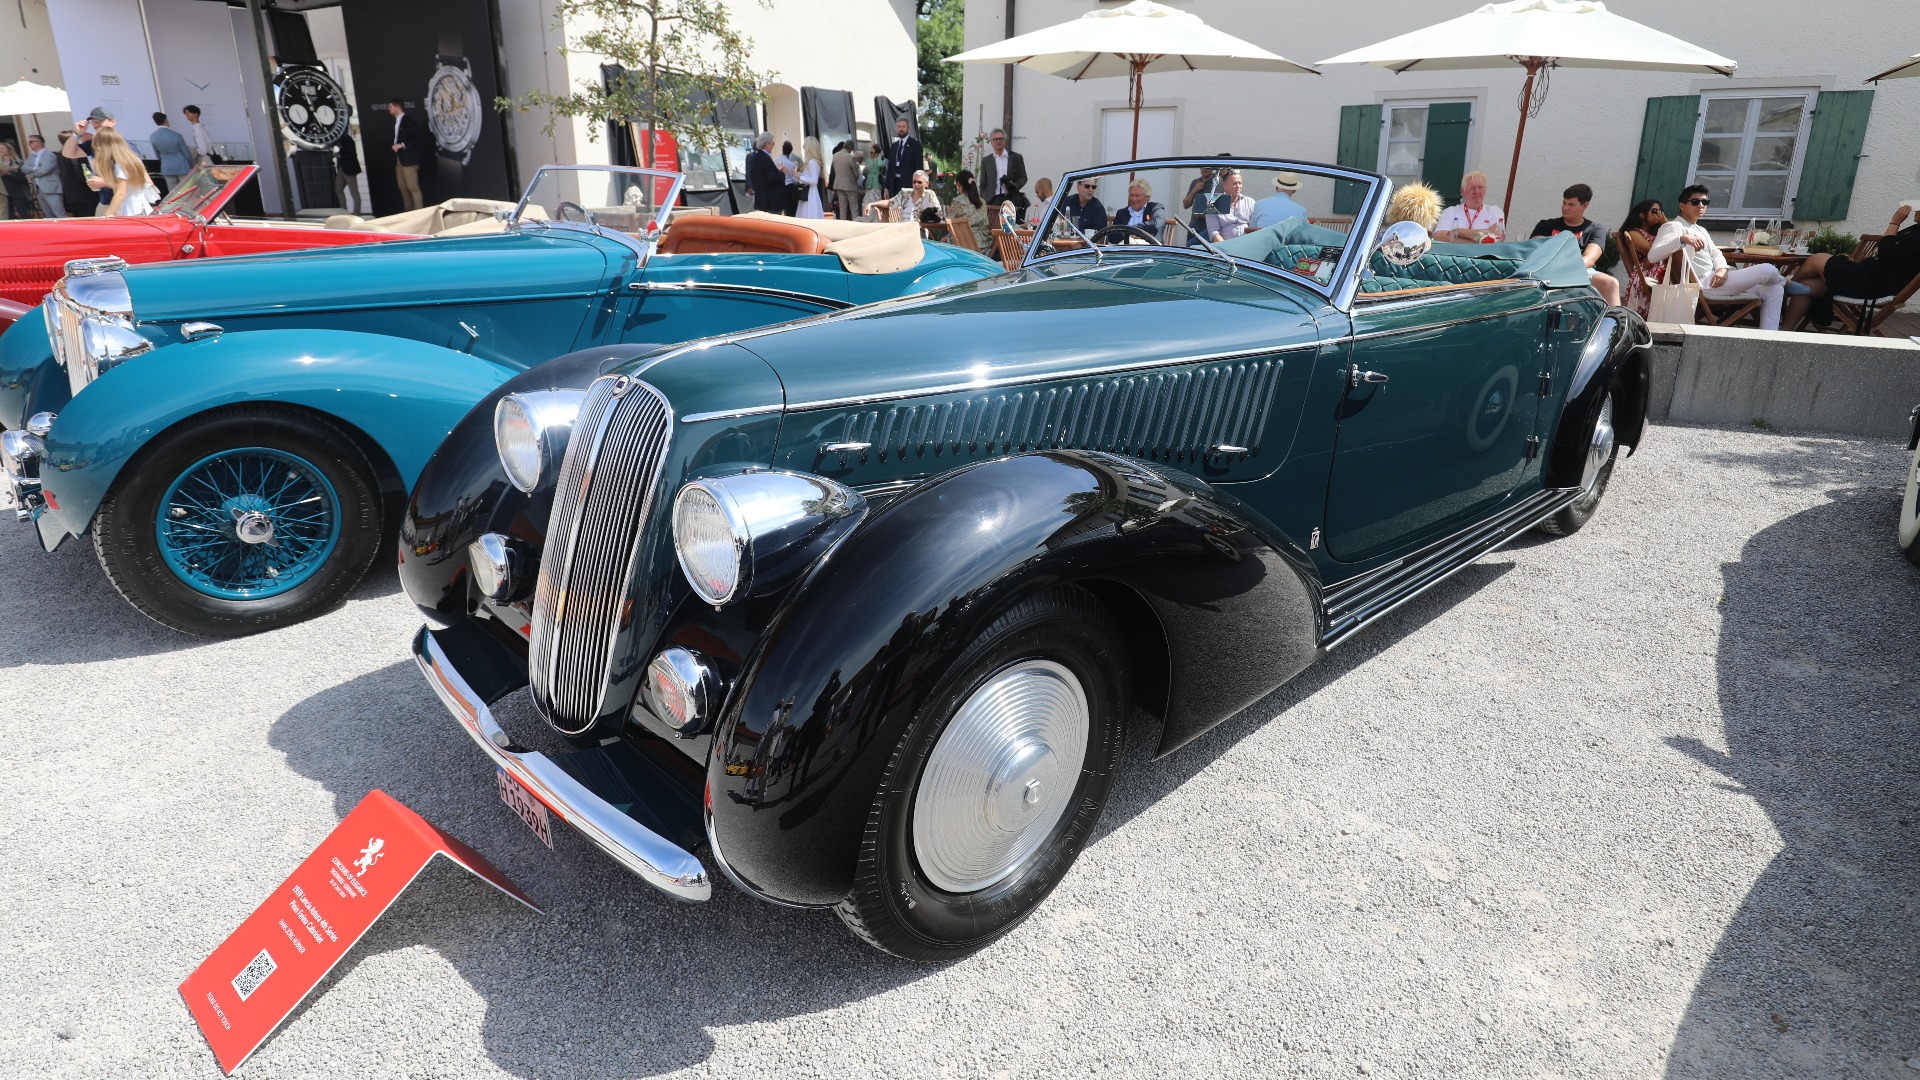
1177,417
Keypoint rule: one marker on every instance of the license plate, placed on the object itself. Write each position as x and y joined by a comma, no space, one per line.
521,802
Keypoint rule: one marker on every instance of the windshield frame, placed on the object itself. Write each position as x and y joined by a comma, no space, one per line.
210,205
660,218
1339,289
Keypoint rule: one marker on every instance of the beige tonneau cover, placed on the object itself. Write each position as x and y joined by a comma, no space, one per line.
863,247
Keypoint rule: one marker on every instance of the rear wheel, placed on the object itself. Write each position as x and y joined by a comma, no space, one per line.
1602,452
996,785
1910,512
240,522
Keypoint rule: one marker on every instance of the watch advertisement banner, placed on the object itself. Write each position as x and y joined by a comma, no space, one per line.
260,974
437,57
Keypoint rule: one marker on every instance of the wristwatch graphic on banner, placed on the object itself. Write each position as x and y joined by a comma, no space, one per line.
313,108
453,108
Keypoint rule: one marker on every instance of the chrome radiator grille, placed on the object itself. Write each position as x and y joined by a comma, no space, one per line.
603,497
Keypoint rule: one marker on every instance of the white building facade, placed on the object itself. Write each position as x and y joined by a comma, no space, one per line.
1795,134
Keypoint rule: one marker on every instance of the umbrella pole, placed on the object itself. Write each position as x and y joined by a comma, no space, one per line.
1534,64
1139,65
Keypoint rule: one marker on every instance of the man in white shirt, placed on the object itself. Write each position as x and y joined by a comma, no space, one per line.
1278,206
1471,220
197,134
1709,266
1000,164
1239,209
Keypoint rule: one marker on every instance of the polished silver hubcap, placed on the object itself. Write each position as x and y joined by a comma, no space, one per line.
252,527
1001,776
1601,448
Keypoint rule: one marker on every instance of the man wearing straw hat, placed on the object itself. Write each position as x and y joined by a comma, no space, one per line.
1278,206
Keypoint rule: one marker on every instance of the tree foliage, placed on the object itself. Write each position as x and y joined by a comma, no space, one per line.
679,57
942,34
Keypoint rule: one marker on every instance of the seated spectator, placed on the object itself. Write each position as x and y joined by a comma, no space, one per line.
1471,220
1141,212
1238,208
1043,190
917,202
968,206
1894,262
1686,235
1083,209
1417,203
1635,238
1588,236
1279,206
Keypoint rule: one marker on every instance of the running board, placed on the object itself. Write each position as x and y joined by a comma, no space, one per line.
1354,603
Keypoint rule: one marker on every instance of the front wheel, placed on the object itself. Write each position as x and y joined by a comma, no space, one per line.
997,783
240,522
1602,452
1910,512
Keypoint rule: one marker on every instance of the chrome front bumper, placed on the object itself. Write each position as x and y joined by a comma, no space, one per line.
657,861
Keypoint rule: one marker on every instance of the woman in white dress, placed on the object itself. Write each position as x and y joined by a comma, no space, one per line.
133,190
807,175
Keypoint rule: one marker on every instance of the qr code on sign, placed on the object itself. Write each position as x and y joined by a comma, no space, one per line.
253,975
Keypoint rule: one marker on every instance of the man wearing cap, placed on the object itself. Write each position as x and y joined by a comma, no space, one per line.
1278,206
80,147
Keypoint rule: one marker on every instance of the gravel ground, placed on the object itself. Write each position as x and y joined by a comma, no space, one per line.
1642,802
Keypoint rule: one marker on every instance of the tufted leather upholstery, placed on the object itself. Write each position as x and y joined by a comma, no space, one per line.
718,234
1433,270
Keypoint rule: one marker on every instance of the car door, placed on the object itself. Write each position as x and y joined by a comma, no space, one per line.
1436,427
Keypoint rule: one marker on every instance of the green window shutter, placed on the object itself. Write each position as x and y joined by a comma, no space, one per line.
1359,149
1666,148
1833,155
1445,160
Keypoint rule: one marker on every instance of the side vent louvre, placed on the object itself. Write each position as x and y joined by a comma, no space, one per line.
1170,416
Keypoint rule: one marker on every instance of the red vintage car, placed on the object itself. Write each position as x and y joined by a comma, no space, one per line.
188,224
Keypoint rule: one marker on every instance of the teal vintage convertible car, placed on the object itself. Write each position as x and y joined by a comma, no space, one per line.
858,605
237,434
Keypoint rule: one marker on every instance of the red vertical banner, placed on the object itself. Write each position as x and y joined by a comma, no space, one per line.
261,973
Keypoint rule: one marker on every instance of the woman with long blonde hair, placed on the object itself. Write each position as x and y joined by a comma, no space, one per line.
117,166
807,174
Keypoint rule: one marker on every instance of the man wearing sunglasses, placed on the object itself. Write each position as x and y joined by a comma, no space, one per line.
1084,210
1709,266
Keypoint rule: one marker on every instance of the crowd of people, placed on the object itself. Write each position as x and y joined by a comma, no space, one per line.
96,172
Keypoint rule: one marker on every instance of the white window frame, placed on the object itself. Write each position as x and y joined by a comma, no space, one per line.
1387,105
1809,94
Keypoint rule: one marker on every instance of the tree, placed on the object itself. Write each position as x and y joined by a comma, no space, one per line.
942,34
678,57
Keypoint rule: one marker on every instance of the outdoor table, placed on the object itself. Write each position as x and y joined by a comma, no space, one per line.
1788,264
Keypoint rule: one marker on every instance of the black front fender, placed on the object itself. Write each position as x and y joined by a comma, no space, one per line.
1615,361
848,658
463,491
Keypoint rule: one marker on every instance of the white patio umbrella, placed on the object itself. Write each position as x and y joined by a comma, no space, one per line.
1130,40
25,98
1538,35
1908,70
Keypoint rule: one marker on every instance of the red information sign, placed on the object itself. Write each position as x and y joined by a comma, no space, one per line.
256,978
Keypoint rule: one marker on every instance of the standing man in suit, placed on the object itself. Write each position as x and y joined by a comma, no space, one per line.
903,158
409,153
843,179
765,182
1002,163
176,158
43,166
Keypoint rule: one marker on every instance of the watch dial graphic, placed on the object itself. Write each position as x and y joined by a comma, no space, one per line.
453,109
313,108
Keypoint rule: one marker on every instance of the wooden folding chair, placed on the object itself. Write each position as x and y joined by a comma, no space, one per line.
960,231
1863,316
1010,250
1718,311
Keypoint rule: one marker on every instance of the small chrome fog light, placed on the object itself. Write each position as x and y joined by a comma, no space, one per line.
679,690
40,423
20,447
492,559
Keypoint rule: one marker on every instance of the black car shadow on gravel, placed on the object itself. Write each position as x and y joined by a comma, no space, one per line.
71,614
1819,686
615,979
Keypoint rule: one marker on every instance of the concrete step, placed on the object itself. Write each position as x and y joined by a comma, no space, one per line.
1785,381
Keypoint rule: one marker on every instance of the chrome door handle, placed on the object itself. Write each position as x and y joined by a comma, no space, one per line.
1355,377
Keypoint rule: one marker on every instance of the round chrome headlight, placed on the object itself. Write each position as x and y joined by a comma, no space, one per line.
530,432
678,690
107,342
754,530
491,559
711,546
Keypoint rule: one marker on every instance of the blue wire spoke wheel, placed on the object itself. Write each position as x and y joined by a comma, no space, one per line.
248,523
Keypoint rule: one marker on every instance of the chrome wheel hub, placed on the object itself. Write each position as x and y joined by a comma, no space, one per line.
1600,450
1001,776
252,526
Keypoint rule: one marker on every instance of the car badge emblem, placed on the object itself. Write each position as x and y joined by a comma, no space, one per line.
621,385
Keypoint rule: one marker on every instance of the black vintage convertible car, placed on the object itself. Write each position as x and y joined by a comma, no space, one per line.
858,605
